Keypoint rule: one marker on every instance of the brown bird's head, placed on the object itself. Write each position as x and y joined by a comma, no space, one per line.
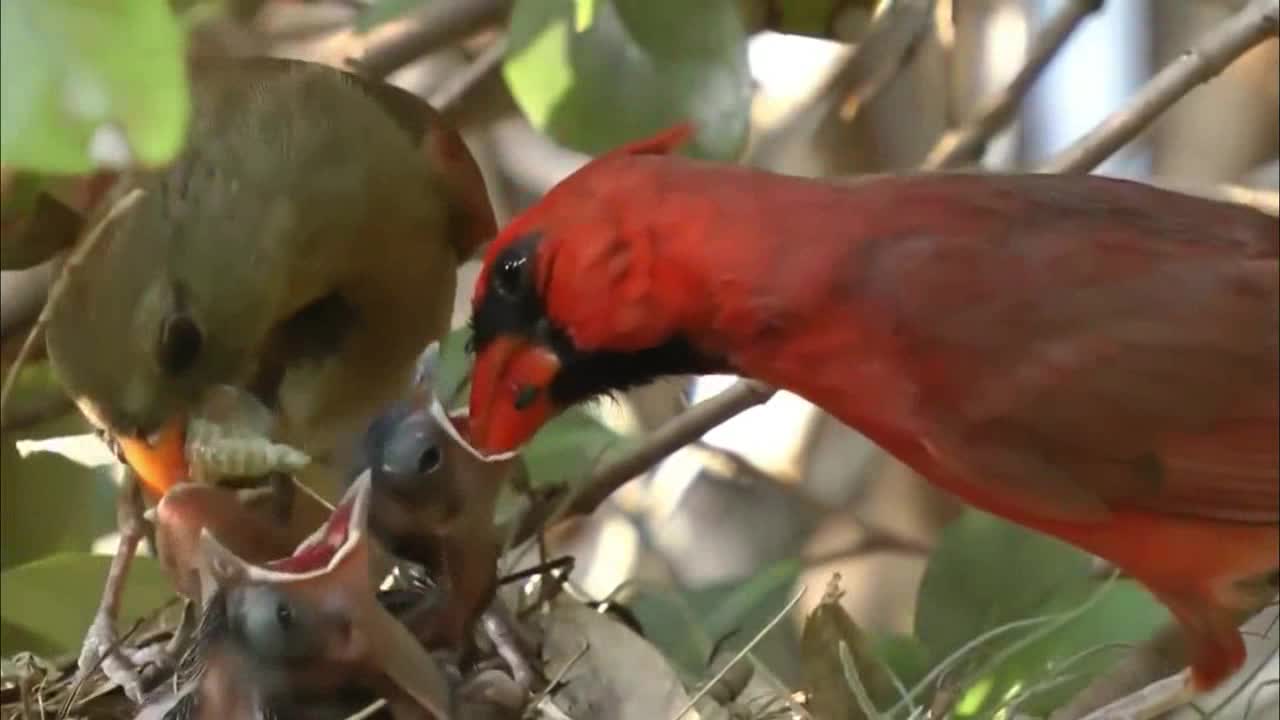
261,250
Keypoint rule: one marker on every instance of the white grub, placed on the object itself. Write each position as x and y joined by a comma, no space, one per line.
215,450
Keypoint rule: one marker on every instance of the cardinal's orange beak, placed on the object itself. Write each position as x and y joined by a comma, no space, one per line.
159,460
510,393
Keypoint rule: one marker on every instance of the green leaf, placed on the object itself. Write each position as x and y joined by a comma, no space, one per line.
904,656
987,572
1058,664
452,367
76,74
584,11
641,66
567,449
48,604
49,504
564,452
384,11
685,624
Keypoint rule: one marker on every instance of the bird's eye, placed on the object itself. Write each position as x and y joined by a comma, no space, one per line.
412,449
273,626
509,275
180,344
429,460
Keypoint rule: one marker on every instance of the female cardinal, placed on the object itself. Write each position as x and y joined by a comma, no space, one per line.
1092,358
302,247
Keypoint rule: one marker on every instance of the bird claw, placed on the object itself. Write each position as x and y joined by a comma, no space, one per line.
121,666
100,651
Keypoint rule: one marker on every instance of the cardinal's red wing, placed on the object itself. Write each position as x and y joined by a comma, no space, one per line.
1079,362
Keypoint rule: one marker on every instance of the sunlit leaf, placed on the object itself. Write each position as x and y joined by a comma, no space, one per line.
1056,666
584,11
48,604
85,449
640,66
87,84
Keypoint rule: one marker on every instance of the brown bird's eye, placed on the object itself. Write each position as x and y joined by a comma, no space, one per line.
509,275
180,343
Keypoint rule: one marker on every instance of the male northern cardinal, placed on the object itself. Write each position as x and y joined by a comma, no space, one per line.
1093,358
302,247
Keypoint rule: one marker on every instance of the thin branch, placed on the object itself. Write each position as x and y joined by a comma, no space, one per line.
440,23
76,257
963,144
879,58
881,55
1221,46
675,434
453,93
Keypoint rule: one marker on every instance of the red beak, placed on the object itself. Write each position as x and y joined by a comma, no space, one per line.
161,462
510,393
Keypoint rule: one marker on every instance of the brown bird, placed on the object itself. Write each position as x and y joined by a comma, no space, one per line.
302,247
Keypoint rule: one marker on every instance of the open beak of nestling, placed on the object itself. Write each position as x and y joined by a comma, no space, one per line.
510,393
335,571
160,459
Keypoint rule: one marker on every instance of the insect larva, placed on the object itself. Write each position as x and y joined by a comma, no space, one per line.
215,450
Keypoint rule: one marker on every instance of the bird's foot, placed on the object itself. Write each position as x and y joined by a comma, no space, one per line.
102,650
1151,702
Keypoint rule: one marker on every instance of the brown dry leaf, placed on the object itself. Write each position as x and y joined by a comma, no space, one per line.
830,695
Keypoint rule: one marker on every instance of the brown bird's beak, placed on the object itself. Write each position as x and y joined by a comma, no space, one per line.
160,460
510,393
336,572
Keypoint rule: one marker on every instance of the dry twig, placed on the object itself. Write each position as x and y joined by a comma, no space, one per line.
964,144
664,441
455,90
438,24
1247,28
120,207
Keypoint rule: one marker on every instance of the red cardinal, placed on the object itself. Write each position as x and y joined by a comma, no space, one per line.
1093,358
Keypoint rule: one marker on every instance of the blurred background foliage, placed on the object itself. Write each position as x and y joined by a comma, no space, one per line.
708,547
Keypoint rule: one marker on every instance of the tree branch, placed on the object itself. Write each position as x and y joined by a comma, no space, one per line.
452,94
439,23
675,434
964,144
1221,46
